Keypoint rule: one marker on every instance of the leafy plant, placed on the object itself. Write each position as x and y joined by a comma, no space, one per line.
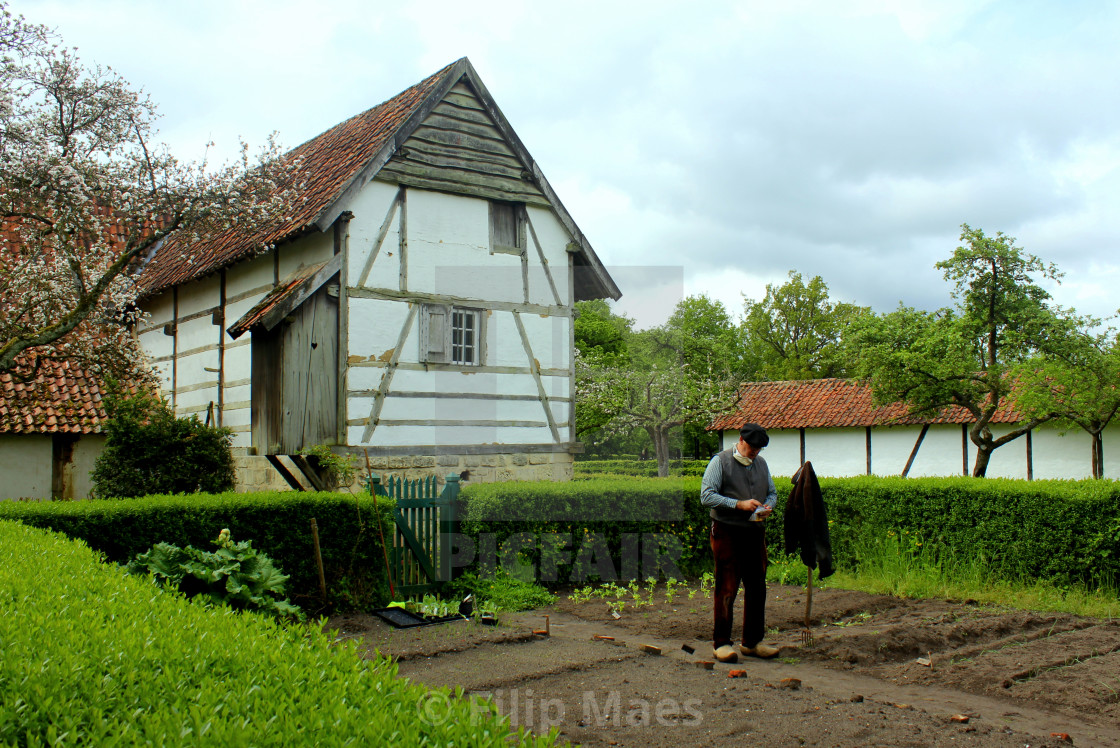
337,470
503,593
234,575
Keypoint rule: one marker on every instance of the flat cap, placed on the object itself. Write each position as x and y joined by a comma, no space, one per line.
754,435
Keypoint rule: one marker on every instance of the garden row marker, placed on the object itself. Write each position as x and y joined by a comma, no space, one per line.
380,533
650,649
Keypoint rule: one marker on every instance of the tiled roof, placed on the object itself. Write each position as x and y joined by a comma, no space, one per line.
62,399
829,403
329,162
272,300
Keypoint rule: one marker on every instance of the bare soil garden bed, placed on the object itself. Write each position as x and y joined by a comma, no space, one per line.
987,676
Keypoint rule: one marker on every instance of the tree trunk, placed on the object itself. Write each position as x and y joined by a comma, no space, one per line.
983,454
1098,455
660,439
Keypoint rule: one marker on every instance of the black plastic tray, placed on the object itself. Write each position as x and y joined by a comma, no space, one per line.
403,619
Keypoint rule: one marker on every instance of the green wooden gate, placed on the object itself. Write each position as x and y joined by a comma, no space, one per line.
424,519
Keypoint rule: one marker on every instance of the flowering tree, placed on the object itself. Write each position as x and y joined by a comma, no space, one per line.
86,195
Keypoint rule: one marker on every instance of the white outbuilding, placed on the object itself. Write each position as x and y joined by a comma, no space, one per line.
417,308
835,424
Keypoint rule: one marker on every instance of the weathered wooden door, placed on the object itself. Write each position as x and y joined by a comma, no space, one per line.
295,377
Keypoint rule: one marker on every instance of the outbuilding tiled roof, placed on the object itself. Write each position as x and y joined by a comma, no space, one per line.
830,403
328,164
63,399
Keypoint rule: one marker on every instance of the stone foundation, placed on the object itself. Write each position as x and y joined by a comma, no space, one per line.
256,473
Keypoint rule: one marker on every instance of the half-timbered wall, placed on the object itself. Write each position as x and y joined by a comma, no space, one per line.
943,451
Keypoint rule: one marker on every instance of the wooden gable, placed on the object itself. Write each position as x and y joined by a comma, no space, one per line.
458,148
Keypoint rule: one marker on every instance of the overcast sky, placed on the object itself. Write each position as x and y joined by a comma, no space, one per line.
707,147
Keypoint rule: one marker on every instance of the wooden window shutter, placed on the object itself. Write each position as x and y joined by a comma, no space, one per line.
507,228
435,334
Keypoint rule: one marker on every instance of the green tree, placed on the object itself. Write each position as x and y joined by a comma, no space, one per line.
669,376
964,356
1075,383
795,331
599,330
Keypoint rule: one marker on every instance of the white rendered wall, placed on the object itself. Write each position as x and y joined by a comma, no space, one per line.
246,284
25,466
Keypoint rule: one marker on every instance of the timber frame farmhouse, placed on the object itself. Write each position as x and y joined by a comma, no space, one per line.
418,306
834,424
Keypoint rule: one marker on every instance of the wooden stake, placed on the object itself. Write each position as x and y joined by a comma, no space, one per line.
319,559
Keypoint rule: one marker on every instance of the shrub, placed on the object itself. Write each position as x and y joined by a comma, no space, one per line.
234,575
279,523
96,657
150,451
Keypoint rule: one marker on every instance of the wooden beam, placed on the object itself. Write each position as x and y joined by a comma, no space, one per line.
534,366
544,262
914,451
436,450
222,347
174,346
342,247
1030,455
286,474
402,238
447,423
309,472
381,234
456,395
419,297
801,439
867,440
387,378
964,449
459,368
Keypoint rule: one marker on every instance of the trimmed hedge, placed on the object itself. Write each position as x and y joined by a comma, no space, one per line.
277,523
1062,531
95,657
647,468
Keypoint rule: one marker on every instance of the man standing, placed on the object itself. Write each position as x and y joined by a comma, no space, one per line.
740,492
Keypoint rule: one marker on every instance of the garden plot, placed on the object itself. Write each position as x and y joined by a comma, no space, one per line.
998,677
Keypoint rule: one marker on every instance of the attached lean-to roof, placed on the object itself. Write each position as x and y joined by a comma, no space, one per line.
337,163
62,399
830,403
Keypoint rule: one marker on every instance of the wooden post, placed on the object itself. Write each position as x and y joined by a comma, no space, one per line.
1030,456
319,559
964,449
802,438
867,439
914,451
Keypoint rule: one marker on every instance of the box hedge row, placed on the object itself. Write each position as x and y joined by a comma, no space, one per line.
95,657
1063,531
277,523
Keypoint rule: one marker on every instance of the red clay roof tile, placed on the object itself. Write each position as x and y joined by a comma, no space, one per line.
829,403
62,399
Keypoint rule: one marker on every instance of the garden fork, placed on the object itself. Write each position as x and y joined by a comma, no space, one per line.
807,633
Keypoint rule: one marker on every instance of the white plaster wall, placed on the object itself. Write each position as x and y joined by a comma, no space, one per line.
253,277
940,453
370,208
554,241
86,451
836,452
451,436
25,466
1111,445
199,295
305,252
891,447
1058,456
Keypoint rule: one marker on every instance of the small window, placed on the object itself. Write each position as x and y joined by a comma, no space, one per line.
451,335
507,228
464,337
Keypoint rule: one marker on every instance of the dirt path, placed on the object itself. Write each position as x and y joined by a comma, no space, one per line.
1016,676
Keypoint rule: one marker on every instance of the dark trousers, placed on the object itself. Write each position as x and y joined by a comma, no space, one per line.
740,556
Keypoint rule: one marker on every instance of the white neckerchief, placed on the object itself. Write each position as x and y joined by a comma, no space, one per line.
741,459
